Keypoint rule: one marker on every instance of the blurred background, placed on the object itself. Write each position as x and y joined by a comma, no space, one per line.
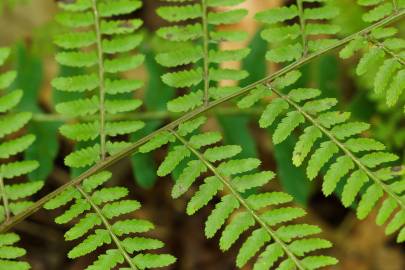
28,27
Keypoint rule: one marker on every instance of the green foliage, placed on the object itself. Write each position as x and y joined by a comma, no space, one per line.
99,44
14,196
233,176
193,46
9,253
94,210
290,42
103,46
383,50
347,158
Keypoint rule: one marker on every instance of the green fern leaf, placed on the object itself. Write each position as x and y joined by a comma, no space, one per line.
83,157
378,12
354,183
180,13
239,224
287,125
329,119
349,129
254,96
9,101
171,161
75,40
205,139
77,59
281,215
91,243
368,200
262,200
141,243
271,112
302,94
251,246
246,182
79,107
337,170
205,193
283,54
385,211
107,261
186,102
19,191
84,225
9,253
153,260
276,15
159,140
374,159
219,215
237,166
268,257
188,127
289,232
13,122
18,168
304,144
119,7
181,33
303,246
7,78
222,152
15,146
321,156
396,88
369,59
184,78
187,177
352,47
385,74
316,262
177,58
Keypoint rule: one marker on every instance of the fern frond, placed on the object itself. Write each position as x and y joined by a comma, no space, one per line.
336,147
102,43
271,234
9,253
380,49
94,210
14,194
189,49
290,42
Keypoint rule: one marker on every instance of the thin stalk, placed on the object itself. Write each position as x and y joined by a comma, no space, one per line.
302,26
109,161
205,51
108,227
4,198
344,149
100,57
380,45
242,201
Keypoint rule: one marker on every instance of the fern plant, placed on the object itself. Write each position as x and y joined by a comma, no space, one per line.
103,46
274,234
15,195
339,153
100,43
292,41
195,49
383,50
96,207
